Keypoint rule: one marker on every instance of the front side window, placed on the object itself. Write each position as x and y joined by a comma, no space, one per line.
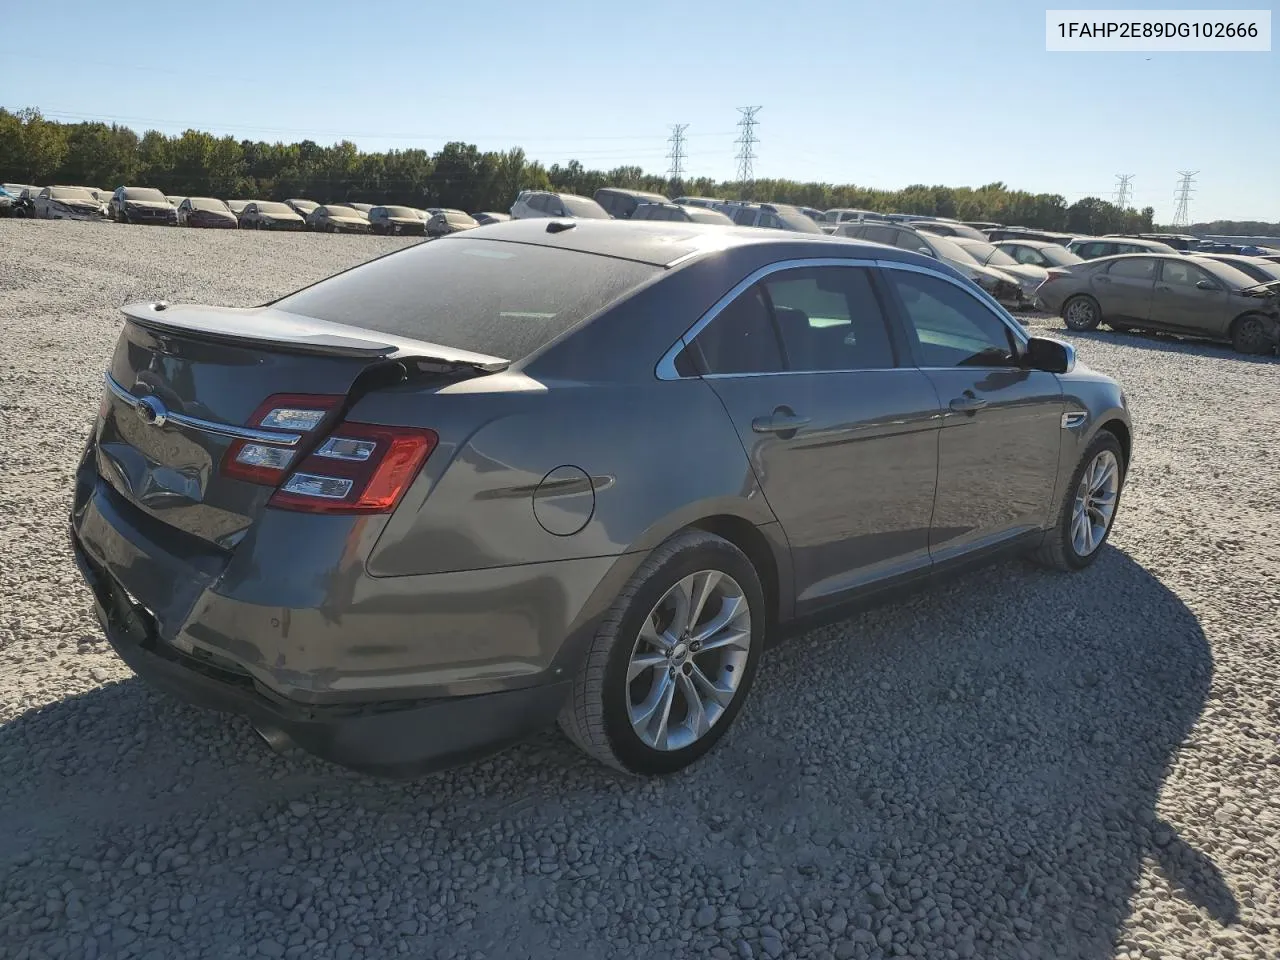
741,338
1181,274
886,235
951,326
829,318
744,217
1134,268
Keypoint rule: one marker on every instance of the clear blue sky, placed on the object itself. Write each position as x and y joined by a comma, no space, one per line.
882,94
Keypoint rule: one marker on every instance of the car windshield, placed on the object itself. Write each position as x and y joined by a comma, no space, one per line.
401,212
274,209
582,207
208,204
337,210
71,193
307,205
145,194
500,299
1260,270
949,250
989,254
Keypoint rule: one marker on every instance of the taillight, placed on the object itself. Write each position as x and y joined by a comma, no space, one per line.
267,463
359,468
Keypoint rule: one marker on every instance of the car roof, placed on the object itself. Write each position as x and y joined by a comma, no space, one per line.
644,194
1025,243
663,243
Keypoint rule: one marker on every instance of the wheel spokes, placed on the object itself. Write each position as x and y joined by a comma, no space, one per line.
720,695
697,720
731,608
701,586
645,661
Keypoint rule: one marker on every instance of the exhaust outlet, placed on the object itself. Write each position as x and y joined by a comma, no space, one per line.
276,739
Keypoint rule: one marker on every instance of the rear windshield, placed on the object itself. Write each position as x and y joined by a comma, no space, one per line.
989,254
501,299
71,193
582,207
144,193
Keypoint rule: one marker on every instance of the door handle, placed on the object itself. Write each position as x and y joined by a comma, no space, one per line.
778,423
969,403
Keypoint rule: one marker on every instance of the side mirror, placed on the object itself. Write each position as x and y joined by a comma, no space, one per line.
1206,285
1049,355
926,251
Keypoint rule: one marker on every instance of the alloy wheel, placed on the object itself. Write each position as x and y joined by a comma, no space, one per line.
688,660
1080,314
1095,503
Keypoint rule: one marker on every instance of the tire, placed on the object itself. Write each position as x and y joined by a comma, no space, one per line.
1249,336
598,713
1059,549
1081,313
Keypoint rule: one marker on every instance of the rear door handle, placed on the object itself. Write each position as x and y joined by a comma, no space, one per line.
968,403
778,423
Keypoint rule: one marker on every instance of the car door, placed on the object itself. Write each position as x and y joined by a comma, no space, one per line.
1188,298
840,428
1001,422
1123,288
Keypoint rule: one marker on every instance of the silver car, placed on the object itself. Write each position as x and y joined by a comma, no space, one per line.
543,203
415,512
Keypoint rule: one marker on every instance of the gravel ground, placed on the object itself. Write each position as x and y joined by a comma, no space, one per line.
1018,764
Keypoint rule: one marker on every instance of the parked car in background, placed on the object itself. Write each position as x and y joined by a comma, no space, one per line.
999,285
450,221
141,205
837,215
303,208
11,199
462,586
270,215
68,203
983,225
488,217
1091,248
680,213
709,202
389,220
1173,293
1038,253
543,203
775,216
1028,276
945,228
175,202
1263,271
207,212
621,204
362,207
1182,242
237,206
338,218
812,213
1026,233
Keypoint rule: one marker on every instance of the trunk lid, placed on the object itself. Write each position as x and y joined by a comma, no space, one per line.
187,383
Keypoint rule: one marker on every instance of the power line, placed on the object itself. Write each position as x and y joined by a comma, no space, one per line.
747,139
1123,181
1182,215
677,155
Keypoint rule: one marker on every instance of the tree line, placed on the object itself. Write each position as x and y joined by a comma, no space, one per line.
37,150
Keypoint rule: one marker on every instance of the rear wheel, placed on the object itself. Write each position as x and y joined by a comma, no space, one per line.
1088,507
1249,335
1082,313
673,660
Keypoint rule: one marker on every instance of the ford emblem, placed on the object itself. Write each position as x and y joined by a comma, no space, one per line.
152,411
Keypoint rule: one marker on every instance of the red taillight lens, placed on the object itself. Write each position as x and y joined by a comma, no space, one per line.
268,463
359,468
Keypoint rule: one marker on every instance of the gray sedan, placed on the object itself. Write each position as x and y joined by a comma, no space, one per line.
413,513
1175,293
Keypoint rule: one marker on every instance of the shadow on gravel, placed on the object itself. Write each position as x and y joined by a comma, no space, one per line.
970,773
1170,343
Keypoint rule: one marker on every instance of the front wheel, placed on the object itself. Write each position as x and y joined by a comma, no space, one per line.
1088,507
1249,335
673,660
1082,313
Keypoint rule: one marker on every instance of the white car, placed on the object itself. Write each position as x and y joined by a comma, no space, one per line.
543,203
68,203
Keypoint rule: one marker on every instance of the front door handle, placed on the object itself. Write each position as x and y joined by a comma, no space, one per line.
778,422
969,403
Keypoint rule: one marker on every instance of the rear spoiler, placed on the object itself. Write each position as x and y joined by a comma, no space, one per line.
291,333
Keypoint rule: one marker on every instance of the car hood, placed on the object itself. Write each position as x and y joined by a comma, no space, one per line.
150,204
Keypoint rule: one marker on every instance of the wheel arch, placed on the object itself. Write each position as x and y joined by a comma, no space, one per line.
1120,430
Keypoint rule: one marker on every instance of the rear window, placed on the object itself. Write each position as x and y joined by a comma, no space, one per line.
145,194
501,299
582,207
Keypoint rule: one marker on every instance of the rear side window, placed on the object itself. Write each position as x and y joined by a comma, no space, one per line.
741,338
500,299
1138,268
538,202
744,216
830,319
886,235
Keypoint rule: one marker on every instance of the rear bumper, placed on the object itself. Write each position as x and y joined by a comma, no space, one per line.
396,739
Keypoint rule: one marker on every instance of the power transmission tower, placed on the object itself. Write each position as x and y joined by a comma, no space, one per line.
677,155
746,141
1182,215
1123,180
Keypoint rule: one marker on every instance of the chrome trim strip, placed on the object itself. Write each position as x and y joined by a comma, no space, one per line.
666,368
165,416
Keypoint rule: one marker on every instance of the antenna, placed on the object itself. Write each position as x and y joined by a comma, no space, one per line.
1182,215
1123,181
746,140
676,156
